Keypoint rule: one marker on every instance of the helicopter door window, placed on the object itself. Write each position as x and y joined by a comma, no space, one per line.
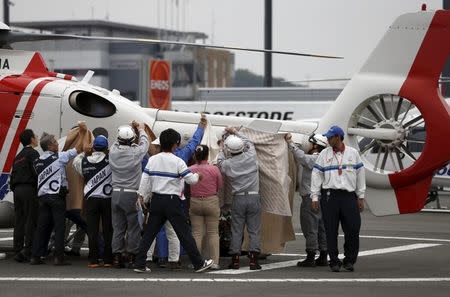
91,105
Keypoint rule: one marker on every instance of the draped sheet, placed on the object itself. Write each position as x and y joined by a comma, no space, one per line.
278,178
75,198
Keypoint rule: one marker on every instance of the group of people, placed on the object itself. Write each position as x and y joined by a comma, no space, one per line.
135,191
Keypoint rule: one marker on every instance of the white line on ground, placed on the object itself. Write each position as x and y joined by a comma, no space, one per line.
264,268
6,239
301,234
6,230
394,237
227,280
396,249
435,210
361,254
289,255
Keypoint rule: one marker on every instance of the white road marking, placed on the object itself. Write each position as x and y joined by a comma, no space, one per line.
394,237
264,268
396,249
361,254
289,255
435,210
228,280
6,239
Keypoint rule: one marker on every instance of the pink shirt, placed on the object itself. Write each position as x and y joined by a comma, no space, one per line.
211,180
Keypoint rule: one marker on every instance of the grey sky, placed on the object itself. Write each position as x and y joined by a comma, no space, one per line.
349,28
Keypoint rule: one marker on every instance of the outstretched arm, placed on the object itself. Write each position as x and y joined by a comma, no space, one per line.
188,150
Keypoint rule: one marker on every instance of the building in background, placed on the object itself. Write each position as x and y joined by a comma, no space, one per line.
125,66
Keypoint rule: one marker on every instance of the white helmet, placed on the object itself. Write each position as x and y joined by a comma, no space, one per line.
185,137
234,144
319,140
156,141
125,133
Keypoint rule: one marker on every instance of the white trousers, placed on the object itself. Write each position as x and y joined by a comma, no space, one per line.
174,244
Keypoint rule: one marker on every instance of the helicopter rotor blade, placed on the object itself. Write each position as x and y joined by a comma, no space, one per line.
8,37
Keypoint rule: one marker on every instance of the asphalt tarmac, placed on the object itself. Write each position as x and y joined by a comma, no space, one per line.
406,255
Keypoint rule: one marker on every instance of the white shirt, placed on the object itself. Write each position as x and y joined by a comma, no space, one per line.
164,174
325,174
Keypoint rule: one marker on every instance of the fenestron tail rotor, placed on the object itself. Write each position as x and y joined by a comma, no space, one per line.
390,132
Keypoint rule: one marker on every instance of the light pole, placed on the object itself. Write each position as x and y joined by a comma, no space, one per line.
6,4
268,43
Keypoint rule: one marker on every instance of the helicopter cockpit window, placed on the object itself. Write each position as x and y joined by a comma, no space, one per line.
91,105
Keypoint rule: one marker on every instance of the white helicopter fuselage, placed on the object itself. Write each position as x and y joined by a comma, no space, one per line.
61,103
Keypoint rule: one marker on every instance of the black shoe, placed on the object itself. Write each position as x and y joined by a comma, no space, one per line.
234,262
336,266
19,257
254,265
72,253
142,269
162,262
349,267
117,261
323,259
59,261
309,261
131,259
36,261
176,266
206,265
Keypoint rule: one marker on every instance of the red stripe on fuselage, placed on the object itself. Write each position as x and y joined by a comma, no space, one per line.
421,87
11,91
23,123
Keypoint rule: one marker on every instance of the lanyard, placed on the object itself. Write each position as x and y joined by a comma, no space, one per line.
339,162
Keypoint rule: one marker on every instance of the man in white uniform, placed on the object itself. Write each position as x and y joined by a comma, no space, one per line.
338,177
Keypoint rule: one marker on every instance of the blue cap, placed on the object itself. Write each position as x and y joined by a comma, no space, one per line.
100,143
334,131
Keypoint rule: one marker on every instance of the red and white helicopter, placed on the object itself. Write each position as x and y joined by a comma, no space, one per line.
392,97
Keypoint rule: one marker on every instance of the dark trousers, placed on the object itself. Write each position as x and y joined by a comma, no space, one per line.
75,216
52,209
341,206
96,209
163,208
162,243
26,213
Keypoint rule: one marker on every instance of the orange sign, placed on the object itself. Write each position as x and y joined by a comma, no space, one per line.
160,85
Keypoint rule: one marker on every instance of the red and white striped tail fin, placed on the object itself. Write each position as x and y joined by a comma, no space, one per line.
14,62
395,115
